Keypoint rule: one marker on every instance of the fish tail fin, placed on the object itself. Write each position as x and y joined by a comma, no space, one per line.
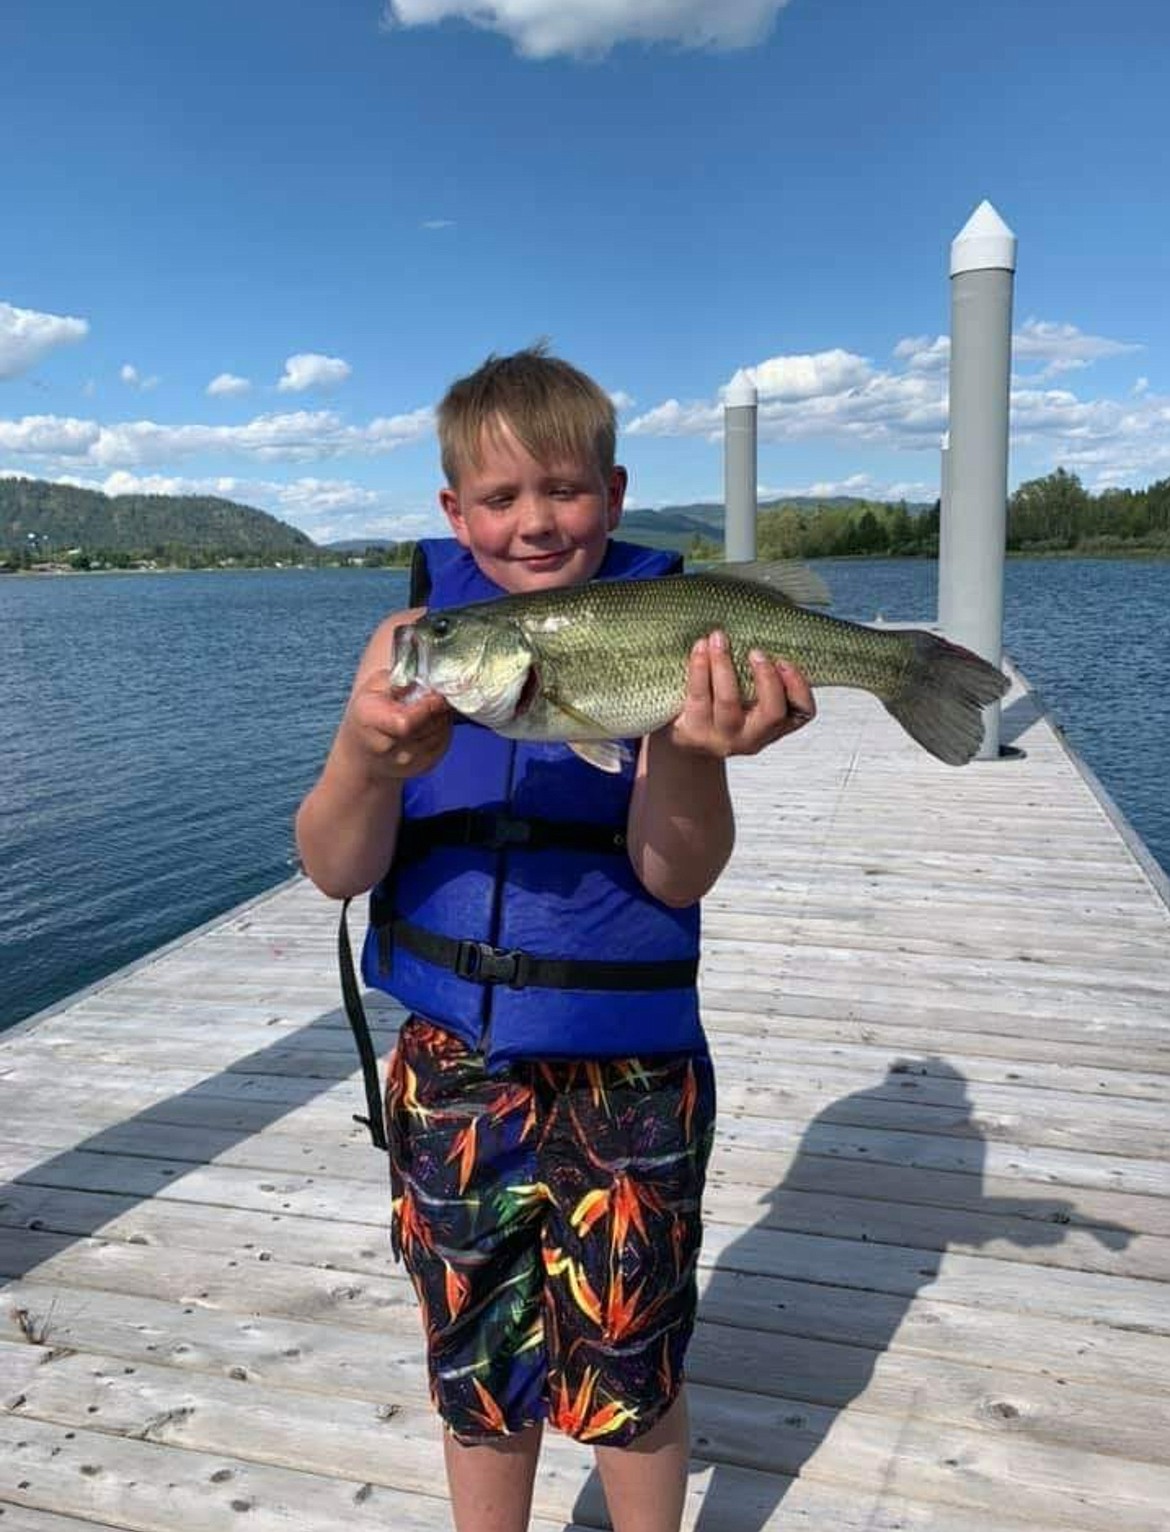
943,692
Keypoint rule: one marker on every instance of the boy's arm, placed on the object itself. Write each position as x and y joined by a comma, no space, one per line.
347,826
681,827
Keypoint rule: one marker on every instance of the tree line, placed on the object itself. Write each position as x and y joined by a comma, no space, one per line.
1053,514
40,554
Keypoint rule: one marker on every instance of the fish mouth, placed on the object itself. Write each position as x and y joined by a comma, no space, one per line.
404,656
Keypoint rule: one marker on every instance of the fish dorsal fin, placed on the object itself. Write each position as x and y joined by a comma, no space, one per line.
606,754
786,577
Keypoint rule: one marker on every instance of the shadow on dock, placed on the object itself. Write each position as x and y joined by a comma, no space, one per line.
73,1194
1019,715
809,1331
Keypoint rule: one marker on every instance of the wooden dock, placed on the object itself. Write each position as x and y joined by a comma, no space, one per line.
935,1280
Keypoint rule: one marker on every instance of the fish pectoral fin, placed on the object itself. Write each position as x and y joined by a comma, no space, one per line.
786,577
558,704
606,754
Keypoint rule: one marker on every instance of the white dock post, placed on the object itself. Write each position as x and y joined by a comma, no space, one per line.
972,533
945,601
739,471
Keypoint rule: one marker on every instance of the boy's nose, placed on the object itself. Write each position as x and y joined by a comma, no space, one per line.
536,515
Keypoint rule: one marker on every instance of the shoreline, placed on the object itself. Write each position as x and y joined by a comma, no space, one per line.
1111,555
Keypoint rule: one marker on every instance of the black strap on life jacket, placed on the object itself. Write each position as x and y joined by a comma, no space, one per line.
484,964
359,1026
491,830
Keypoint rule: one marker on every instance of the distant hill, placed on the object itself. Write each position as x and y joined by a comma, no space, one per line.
44,521
57,517
359,544
676,526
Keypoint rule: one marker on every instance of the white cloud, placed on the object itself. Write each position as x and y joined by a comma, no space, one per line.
48,436
437,223
862,486
828,394
922,354
308,369
329,510
676,419
542,28
805,377
27,337
227,384
300,436
1063,346
621,400
1057,348
836,396
132,378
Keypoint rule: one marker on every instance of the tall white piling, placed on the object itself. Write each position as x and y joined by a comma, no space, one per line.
945,602
739,470
973,526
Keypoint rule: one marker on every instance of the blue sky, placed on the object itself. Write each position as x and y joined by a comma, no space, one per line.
246,246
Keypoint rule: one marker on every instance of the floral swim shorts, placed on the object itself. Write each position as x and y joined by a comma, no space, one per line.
549,1219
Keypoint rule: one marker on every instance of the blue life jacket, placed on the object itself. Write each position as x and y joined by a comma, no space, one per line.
615,966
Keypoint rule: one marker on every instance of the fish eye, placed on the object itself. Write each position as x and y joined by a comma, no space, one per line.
440,626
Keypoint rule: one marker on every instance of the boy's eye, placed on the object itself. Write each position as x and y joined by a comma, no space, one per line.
564,492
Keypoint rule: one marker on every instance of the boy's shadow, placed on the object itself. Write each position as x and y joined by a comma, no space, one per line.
808,1328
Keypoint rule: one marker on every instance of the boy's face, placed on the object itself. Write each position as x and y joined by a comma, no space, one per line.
530,525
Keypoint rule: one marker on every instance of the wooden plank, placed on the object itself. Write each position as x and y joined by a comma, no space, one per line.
395,1446
205,1492
784,1366
199,1132
23,1518
150,1294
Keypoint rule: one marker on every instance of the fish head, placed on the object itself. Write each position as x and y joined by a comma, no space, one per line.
483,665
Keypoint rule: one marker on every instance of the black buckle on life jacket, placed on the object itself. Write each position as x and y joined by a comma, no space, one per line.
491,965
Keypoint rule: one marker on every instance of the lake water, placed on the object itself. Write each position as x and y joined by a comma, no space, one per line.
158,731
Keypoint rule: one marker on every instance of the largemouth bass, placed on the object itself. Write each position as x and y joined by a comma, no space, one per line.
594,664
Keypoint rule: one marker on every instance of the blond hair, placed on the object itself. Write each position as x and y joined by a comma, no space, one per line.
557,413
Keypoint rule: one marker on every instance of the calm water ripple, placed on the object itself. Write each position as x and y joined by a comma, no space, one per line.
159,731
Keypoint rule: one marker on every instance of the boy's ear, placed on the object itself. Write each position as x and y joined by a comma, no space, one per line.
449,500
618,479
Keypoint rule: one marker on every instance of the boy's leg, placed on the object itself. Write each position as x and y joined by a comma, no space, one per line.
624,1157
646,1483
491,1483
468,1208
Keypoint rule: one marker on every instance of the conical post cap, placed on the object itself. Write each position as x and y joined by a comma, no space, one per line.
984,243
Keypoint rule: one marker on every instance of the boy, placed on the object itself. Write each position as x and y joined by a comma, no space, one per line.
548,1138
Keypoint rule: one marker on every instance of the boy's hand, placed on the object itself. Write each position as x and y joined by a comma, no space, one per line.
715,720
397,738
